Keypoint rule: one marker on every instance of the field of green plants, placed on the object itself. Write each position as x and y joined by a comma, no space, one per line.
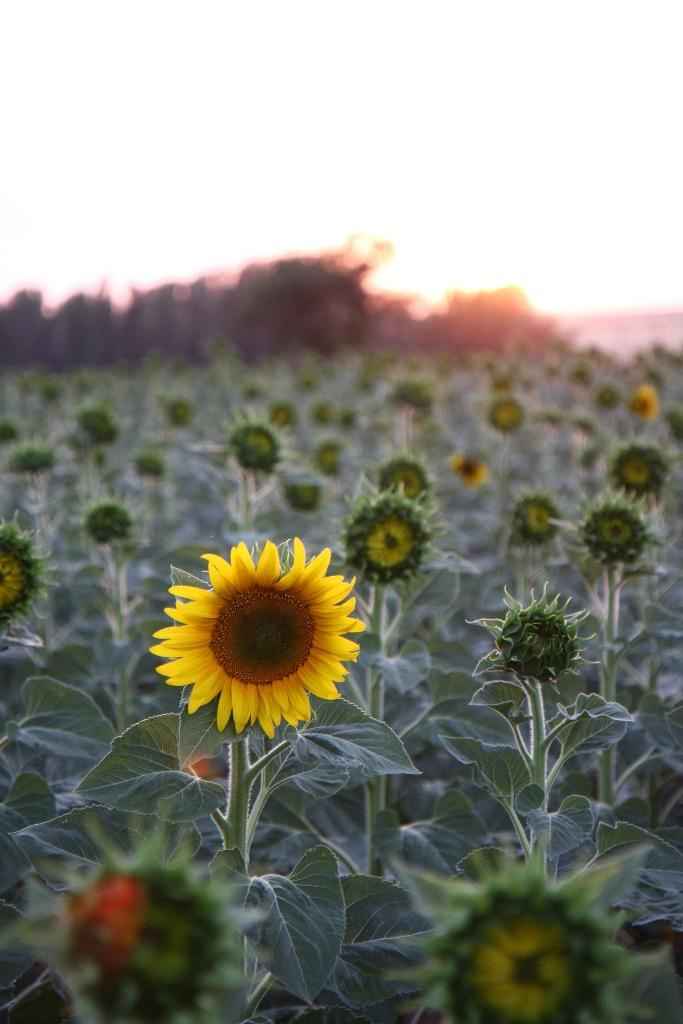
405,738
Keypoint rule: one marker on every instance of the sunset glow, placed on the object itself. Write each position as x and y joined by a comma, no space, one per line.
492,143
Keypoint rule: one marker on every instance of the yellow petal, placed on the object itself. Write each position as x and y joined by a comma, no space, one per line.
338,645
299,701
224,708
243,569
240,704
268,568
318,684
220,574
314,572
199,632
265,721
190,593
253,701
292,577
203,693
280,694
194,614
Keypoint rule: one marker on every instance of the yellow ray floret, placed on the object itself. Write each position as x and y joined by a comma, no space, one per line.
260,640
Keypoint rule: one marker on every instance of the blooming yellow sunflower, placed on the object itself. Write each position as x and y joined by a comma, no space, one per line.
644,402
261,639
472,472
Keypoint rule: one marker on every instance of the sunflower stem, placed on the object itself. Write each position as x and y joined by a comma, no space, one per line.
257,994
539,761
245,500
257,767
237,810
375,789
608,677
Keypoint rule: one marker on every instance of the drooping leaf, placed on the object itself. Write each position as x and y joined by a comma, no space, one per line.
501,770
437,844
142,773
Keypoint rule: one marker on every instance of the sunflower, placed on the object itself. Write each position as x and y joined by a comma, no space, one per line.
387,536
644,402
473,472
21,572
506,414
614,529
404,473
533,519
261,639
255,445
639,469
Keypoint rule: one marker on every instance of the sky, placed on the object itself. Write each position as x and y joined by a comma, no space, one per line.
493,143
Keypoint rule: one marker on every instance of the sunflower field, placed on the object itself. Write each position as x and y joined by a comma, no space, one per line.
344,691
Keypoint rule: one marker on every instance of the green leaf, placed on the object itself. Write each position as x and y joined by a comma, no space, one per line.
30,798
406,670
303,922
62,720
143,773
14,957
80,834
499,695
380,940
181,577
13,864
501,769
530,799
568,828
593,725
341,734
437,844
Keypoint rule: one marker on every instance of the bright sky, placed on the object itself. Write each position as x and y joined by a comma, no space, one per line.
536,143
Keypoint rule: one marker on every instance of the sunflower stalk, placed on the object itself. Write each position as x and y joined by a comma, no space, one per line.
608,677
538,748
376,789
237,810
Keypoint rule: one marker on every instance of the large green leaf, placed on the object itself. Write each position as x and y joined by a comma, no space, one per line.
62,720
143,773
30,797
80,835
302,923
566,829
439,843
405,670
13,864
380,940
501,769
344,735
593,725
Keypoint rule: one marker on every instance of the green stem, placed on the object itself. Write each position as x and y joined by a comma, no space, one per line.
257,767
519,830
237,811
608,679
539,760
245,500
649,755
257,993
375,789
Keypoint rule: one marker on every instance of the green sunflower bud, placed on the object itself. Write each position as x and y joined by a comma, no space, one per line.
536,641
614,530
387,536
179,411
506,414
407,474
150,464
328,456
534,520
516,948
98,425
581,374
21,573
415,393
255,446
607,397
303,495
323,413
639,470
283,414
32,458
8,431
108,523
145,942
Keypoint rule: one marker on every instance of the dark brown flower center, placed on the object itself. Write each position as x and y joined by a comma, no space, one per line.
262,635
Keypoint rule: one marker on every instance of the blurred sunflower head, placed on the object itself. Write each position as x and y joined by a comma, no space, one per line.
303,494
328,456
405,473
32,459
262,638
255,445
514,948
150,464
21,573
8,431
581,374
283,414
387,536
639,469
614,530
97,424
108,522
534,519
607,397
644,402
539,640
414,392
472,471
506,414
140,940
179,411
323,412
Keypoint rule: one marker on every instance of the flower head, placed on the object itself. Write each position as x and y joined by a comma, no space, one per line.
415,393
639,469
644,402
98,425
282,414
515,948
323,412
327,456
539,640
262,638
303,494
614,530
32,458
150,464
387,536
179,411
21,573
255,446
8,431
607,396
472,471
506,414
404,473
109,522
534,519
